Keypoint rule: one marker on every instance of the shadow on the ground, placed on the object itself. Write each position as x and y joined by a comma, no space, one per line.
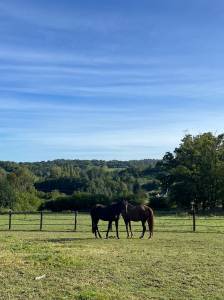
65,240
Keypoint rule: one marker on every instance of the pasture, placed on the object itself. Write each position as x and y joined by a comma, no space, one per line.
175,264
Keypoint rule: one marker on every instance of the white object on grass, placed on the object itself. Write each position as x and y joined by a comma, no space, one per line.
40,277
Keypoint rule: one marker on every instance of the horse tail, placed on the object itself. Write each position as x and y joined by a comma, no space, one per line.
151,222
93,225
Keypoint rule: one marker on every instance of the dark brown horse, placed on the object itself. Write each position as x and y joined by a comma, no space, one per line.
108,213
137,213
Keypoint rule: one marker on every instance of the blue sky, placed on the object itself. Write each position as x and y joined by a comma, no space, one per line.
108,79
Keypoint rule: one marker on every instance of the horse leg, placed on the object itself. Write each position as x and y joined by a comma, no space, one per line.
94,227
126,224
108,229
143,229
95,232
97,229
116,224
130,229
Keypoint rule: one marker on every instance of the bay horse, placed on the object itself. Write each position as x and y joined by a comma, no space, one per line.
137,213
108,213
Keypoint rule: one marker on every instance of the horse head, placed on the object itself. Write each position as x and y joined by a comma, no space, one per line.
124,205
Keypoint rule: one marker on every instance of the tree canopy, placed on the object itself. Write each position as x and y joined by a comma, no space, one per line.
194,172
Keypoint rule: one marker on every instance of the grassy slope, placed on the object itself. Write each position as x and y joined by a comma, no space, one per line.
170,266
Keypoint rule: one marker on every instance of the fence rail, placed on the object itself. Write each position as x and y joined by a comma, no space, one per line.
80,222
11,219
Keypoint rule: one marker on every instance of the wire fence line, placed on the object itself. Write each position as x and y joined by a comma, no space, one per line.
81,222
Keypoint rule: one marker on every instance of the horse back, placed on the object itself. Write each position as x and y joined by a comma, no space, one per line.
104,212
96,208
137,213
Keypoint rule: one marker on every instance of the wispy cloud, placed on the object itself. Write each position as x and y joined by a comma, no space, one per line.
99,80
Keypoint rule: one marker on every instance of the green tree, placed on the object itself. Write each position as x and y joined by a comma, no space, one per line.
195,171
7,194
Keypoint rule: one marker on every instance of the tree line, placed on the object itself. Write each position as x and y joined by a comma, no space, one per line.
194,172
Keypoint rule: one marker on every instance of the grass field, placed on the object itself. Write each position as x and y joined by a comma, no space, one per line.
173,265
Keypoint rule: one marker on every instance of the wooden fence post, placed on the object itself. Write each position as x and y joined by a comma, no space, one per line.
41,220
193,216
75,224
10,220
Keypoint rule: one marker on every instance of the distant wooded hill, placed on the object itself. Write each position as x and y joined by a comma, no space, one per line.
194,172
61,179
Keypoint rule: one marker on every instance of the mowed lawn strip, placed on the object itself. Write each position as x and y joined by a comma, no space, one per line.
170,266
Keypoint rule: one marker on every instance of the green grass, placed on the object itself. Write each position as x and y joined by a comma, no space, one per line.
172,265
